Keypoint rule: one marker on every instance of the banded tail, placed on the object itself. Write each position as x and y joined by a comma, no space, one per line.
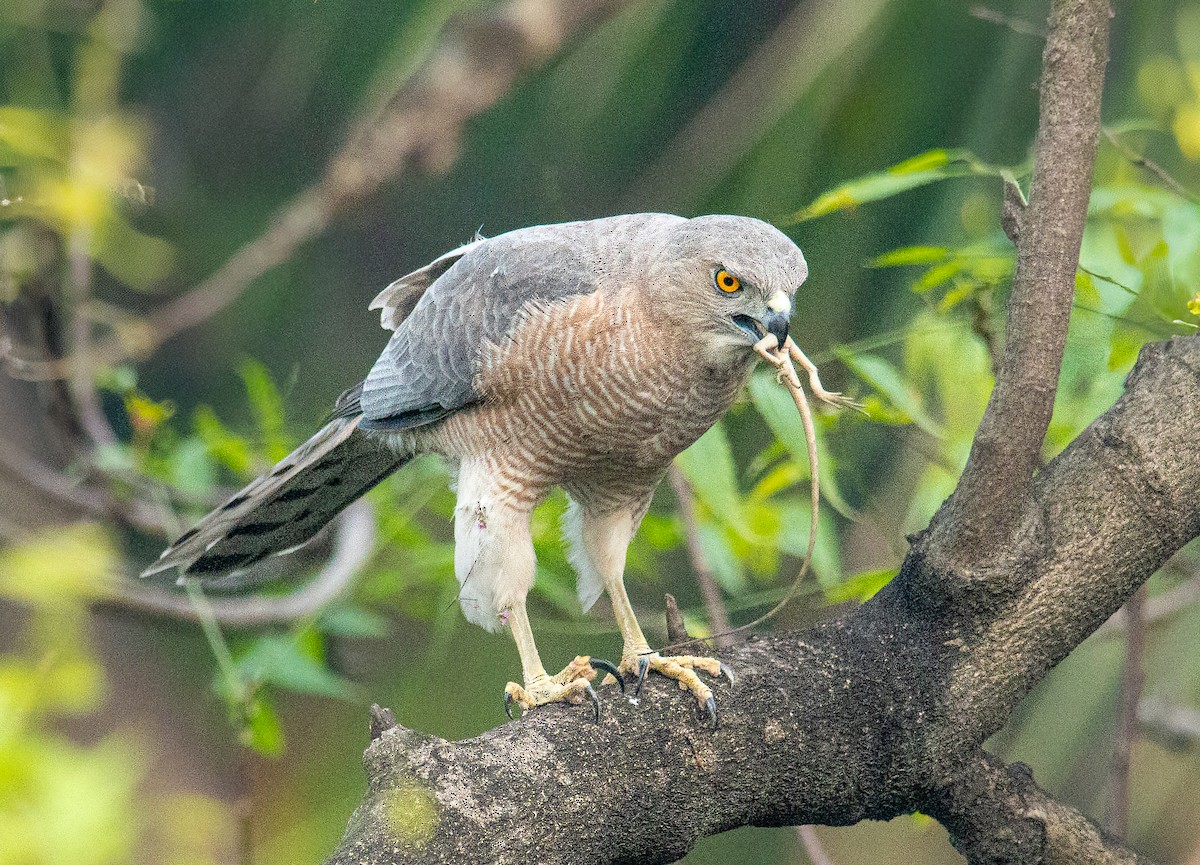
283,510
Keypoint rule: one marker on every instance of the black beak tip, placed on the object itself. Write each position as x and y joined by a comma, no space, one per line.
777,325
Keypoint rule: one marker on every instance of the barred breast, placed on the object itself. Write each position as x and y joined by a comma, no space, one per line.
593,394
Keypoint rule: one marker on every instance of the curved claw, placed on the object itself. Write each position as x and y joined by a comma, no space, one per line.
508,701
728,674
643,668
608,667
595,703
711,705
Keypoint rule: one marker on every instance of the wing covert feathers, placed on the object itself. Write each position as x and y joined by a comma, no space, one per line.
397,300
283,510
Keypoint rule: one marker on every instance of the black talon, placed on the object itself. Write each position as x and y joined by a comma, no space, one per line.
711,705
508,701
595,703
643,668
728,674
607,666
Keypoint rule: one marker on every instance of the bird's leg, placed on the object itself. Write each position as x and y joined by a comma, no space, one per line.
495,563
572,685
606,539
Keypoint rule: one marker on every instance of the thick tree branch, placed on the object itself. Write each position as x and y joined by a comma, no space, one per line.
981,516
876,714
999,815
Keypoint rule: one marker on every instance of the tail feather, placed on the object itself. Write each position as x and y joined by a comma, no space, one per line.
281,511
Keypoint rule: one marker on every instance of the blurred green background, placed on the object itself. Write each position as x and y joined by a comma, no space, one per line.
130,738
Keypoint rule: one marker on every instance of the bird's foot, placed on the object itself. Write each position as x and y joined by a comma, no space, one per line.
572,685
681,668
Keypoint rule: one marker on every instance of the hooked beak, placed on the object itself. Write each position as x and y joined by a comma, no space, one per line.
777,323
773,322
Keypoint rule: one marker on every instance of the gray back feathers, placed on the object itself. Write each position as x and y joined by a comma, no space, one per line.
428,368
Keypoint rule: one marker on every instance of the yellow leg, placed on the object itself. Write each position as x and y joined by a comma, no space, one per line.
572,685
607,539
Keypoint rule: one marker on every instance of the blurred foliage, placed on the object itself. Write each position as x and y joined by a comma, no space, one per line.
157,137
62,802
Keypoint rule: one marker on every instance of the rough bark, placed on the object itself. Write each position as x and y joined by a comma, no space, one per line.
879,713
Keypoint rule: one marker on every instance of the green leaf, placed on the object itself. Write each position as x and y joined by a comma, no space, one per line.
267,405
261,729
352,621
227,448
793,540
778,479
860,587
278,660
138,260
721,559
888,382
56,568
661,532
928,167
28,132
778,410
191,467
907,255
935,276
709,467
956,295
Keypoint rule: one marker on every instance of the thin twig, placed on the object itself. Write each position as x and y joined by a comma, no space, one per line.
352,548
1132,680
142,515
243,807
1158,608
84,394
1143,161
677,631
982,327
813,849
714,603
1017,25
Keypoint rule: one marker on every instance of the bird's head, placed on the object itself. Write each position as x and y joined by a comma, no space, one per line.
730,280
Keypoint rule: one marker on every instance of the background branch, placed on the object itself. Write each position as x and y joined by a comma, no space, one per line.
1132,681
710,590
353,544
477,62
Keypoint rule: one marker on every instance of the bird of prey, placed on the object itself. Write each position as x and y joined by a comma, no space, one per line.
584,355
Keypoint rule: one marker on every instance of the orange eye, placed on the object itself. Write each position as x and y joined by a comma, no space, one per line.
726,281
